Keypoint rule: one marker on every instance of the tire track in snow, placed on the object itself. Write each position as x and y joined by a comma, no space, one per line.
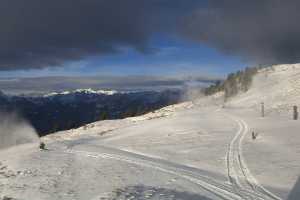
239,174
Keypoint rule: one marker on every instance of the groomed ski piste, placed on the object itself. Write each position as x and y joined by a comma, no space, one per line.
195,150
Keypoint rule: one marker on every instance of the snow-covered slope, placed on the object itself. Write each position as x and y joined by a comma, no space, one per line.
277,86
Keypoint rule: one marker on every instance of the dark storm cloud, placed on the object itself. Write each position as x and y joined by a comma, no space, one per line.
36,34
265,31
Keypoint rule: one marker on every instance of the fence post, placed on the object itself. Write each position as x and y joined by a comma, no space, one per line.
295,112
253,135
262,109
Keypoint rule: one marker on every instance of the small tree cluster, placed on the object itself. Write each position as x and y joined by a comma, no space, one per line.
239,81
218,86
234,83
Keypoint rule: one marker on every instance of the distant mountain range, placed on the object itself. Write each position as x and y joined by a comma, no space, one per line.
42,85
70,109
86,91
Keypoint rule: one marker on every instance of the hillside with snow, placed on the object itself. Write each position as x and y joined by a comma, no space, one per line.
278,87
197,150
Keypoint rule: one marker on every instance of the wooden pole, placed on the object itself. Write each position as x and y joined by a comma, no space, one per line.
262,109
253,135
295,112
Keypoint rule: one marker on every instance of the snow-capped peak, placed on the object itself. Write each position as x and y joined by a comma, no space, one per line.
91,91
85,91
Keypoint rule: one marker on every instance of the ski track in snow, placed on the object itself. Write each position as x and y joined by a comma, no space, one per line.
239,175
223,191
242,183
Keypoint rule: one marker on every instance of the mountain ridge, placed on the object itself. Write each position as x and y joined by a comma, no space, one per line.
67,110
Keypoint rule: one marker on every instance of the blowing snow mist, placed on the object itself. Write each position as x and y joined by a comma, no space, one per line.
15,131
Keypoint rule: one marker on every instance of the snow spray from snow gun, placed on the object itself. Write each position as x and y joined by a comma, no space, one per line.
15,131
193,90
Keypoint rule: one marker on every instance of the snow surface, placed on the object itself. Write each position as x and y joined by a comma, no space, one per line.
194,150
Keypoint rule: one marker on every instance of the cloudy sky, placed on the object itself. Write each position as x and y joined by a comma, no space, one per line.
145,37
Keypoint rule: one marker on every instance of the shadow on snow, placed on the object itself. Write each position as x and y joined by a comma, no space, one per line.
142,192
